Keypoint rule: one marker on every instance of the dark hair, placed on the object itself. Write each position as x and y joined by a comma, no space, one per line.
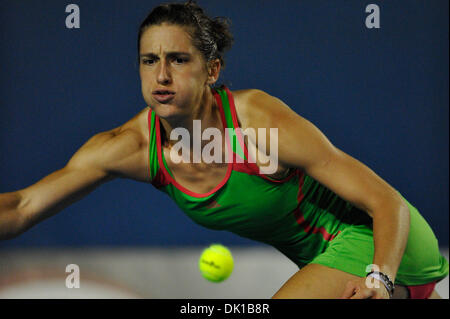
212,37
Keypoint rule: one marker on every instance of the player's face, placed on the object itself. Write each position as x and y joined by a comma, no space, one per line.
173,72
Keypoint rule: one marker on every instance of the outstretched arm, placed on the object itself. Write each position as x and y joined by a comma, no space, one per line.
104,157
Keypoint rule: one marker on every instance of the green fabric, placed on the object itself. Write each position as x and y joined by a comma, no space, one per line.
153,152
166,166
352,251
305,221
229,119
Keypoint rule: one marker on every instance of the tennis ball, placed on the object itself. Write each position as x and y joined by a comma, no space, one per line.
216,263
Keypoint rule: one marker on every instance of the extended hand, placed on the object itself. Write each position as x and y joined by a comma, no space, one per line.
362,289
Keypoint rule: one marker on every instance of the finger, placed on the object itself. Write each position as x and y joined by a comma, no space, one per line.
349,290
381,295
363,294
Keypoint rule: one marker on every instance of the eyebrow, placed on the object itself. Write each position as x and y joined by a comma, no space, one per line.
168,54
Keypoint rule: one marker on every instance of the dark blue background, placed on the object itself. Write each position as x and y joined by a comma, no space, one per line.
380,95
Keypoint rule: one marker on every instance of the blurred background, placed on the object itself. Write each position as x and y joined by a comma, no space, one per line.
380,95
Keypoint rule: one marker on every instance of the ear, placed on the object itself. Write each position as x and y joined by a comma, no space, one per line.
213,71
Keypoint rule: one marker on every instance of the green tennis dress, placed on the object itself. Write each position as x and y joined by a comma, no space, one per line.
301,218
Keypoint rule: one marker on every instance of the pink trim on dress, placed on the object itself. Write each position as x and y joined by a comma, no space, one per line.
158,180
173,181
249,166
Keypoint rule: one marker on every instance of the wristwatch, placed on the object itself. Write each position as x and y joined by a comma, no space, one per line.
387,282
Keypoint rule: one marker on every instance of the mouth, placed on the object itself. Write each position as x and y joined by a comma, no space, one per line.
163,96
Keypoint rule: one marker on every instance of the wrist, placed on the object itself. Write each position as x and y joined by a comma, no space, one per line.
385,269
384,279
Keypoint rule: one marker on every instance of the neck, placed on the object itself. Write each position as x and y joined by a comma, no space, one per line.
204,110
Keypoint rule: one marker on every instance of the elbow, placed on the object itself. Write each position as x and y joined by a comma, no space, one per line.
12,219
9,235
12,227
404,210
393,209
9,230
402,205
388,204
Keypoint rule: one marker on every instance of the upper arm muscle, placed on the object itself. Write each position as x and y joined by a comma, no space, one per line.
303,145
97,161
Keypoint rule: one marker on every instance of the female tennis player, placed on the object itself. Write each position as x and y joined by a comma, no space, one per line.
351,234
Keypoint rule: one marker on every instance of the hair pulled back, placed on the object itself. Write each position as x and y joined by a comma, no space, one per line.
212,37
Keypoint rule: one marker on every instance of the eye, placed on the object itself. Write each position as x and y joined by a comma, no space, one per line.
180,60
148,61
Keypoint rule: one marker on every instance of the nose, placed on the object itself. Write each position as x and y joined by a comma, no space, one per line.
164,76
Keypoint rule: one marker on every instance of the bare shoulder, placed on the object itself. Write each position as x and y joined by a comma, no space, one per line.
138,123
256,108
300,142
120,151
134,131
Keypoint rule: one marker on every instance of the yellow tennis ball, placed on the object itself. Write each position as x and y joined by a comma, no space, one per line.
216,263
